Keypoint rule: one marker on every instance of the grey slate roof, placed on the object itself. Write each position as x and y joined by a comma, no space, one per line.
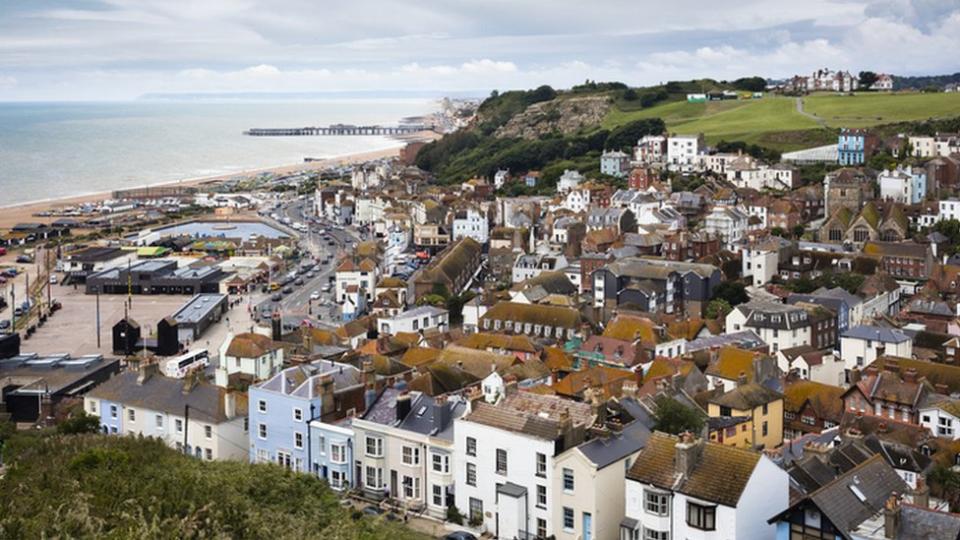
604,451
922,524
858,494
164,394
876,333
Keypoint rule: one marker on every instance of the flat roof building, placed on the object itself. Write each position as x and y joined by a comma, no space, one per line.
158,276
33,385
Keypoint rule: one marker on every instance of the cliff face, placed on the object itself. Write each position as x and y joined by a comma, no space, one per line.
559,115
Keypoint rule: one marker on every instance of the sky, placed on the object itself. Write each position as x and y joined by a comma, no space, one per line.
123,49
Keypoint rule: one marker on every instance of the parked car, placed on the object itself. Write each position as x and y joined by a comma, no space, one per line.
276,297
4,324
315,295
24,259
298,281
460,535
327,287
287,290
53,279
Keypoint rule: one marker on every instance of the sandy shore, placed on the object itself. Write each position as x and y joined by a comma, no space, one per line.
20,213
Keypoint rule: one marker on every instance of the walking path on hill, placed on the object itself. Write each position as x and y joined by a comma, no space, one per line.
812,116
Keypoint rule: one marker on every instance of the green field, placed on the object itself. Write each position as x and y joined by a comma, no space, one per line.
870,109
775,122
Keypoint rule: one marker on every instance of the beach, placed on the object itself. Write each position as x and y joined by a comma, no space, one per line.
22,213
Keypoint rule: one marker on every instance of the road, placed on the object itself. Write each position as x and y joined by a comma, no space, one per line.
812,116
332,244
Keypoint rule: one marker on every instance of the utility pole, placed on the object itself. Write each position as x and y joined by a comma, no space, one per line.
186,424
98,318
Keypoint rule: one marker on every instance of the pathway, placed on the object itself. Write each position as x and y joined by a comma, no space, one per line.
811,116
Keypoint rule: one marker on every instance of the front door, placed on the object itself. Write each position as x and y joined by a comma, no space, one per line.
394,492
587,526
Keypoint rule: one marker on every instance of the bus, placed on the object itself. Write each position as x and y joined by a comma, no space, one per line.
178,367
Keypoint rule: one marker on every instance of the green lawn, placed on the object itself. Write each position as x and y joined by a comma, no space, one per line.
774,121
870,109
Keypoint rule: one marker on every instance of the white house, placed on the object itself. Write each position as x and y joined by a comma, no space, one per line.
650,149
505,456
418,319
500,178
674,490
211,420
760,260
779,325
818,366
904,185
682,151
362,274
471,223
942,418
530,266
589,483
570,179
404,449
251,354
729,223
861,345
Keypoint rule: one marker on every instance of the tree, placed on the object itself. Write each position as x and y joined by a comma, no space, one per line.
630,95
674,417
798,230
734,292
867,78
81,423
752,84
777,231
627,135
718,308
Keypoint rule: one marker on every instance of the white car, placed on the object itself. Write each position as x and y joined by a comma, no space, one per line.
315,295
53,279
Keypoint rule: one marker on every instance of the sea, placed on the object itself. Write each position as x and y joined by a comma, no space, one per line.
55,150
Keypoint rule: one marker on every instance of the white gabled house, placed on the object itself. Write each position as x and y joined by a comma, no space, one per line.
682,487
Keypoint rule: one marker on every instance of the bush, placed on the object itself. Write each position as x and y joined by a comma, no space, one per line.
454,515
82,423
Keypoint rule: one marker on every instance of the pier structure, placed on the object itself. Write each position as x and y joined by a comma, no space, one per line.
337,129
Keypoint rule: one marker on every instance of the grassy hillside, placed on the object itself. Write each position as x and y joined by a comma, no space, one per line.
774,121
95,486
870,109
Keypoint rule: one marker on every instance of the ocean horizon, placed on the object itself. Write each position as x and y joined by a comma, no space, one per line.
63,149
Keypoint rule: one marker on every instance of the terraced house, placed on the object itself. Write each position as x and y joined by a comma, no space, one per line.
654,285
534,320
404,449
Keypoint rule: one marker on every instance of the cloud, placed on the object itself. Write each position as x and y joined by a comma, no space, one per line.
117,49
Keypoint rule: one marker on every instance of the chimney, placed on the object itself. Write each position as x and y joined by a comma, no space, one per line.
714,354
566,429
229,404
910,375
871,371
190,381
742,379
276,326
891,517
403,402
554,376
942,389
629,389
921,495
820,450
441,412
327,401
307,335
854,376
147,371
687,453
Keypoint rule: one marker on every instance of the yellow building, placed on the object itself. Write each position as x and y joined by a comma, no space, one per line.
749,416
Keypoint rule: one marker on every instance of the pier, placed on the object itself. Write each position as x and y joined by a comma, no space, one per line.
337,129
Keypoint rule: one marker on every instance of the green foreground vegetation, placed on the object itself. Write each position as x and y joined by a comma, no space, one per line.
95,486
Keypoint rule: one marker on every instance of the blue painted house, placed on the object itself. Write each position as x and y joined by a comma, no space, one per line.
283,407
855,146
332,452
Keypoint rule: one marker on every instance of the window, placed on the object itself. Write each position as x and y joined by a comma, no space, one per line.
764,409
208,432
262,431
541,465
541,528
374,477
338,453
411,487
567,479
471,446
374,447
411,455
567,519
501,461
297,414
93,406
322,444
653,534
336,479
655,503
441,463
471,474
701,517
298,440
113,411
437,499
208,453
159,420
764,428
178,425
476,509
132,415
541,496
262,406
